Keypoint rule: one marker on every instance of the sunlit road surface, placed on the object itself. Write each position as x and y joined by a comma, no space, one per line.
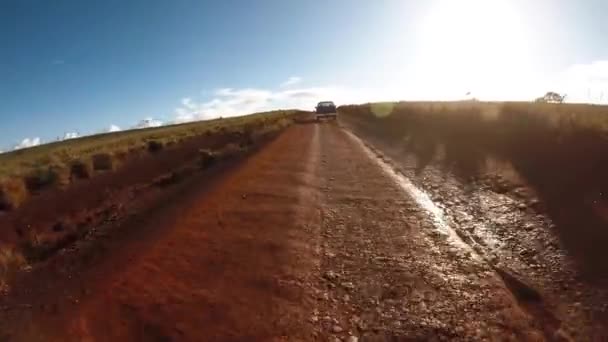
312,238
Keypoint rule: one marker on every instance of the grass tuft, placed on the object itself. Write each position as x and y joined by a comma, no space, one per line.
11,262
41,178
103,162
155,146
29,171
13,193
207,158
81,169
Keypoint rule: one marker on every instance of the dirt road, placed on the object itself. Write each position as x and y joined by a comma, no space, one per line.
311,238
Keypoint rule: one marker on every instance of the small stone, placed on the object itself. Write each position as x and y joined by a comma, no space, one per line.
314,319
362,326
528,226
522,206
561,335
348,285
337,329
330,275
352,339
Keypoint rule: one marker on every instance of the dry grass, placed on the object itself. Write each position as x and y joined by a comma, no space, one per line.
230,150
81,169
10,263
542,141
29,171
102,161
559,150
12,193
207,158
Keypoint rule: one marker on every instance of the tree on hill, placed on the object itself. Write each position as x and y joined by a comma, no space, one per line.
551,97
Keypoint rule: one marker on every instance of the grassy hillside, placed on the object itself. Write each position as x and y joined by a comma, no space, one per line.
532,136
28,171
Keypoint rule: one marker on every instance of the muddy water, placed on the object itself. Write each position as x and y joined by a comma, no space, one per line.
421,197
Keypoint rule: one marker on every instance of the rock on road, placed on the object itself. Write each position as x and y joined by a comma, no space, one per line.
308,239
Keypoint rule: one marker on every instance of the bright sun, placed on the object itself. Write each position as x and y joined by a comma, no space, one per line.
473,45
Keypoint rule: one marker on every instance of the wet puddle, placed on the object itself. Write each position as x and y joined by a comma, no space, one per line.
421,198
489,224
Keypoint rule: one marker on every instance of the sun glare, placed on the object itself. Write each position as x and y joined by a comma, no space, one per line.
477,46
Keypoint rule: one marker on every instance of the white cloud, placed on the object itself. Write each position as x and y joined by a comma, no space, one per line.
28,142
112,128
148,122
293,80
227,102
187,102
70,135
230,101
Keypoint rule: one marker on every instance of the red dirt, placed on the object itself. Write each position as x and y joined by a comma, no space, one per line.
87,202
308,239
221,259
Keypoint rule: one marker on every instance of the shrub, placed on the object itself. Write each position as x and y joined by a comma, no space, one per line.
12,194
42,178
10,263
268,129
123,154
81,169
228,151
63,175
154,146
207,158
102,162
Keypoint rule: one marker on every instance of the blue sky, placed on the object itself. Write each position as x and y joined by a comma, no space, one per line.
82,66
